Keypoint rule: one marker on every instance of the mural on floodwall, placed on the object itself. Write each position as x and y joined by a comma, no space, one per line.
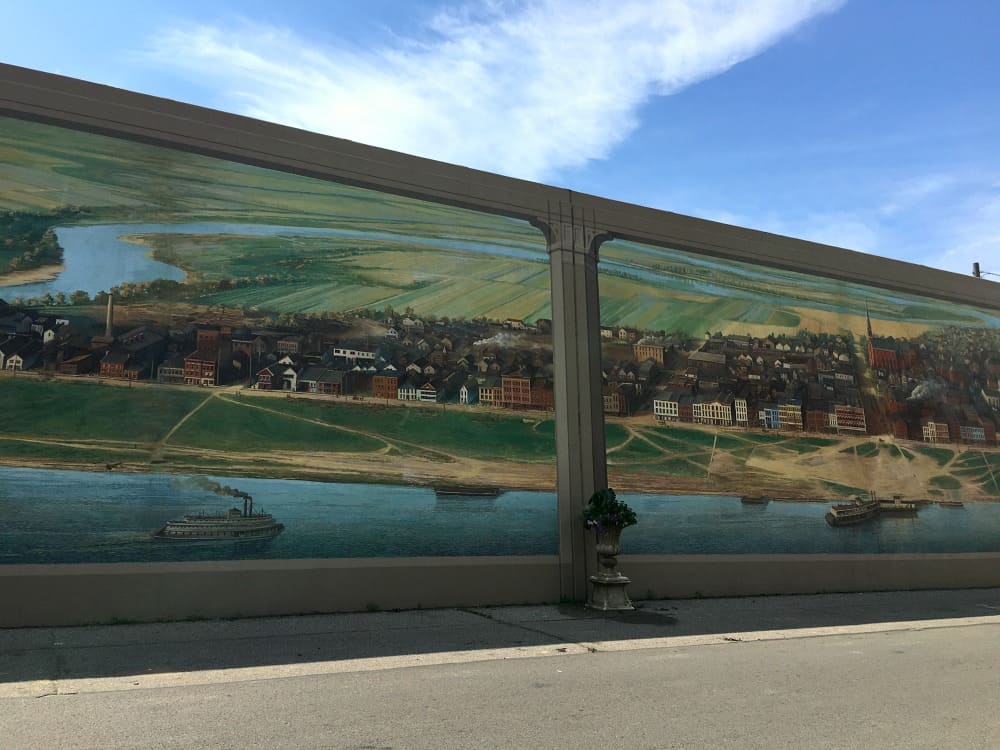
205,360
291,368
751,409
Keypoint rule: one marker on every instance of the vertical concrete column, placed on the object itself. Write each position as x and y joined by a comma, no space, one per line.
580,448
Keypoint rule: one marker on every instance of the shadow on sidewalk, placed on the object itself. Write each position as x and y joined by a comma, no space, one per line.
119,650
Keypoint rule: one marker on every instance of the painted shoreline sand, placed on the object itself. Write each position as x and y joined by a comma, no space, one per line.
30,276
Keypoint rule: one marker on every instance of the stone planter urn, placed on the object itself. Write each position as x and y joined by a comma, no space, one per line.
608,584
607,516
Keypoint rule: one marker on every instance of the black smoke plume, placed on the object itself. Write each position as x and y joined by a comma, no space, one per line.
223,489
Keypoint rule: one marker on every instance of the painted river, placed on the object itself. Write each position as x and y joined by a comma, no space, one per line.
51,516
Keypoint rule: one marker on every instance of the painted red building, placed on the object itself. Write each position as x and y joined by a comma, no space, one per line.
201,367
385,386
208,338
817,420
990,430
882,352
542,395
685,410
515,391
113,364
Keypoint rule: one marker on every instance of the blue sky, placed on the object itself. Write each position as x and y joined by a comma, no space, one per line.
869,124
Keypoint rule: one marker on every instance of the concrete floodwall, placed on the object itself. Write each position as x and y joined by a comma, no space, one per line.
105,593
60,595
549,241
687,576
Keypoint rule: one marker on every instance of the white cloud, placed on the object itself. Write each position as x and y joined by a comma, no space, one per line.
843,230
525,89
942,220
917,191
974,233
838,228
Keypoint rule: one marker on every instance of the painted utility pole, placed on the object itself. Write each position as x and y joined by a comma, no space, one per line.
573,245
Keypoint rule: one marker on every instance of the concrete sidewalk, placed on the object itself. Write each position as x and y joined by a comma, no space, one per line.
119,686
36,661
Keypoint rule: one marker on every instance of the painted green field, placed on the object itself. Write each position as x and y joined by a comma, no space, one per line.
77,410
227,426
946,482
317,274
14,449
87,424
452,431
675,467
686,435
979,467
44,167
86,421
807,444
667,443
896,452
980,460
865,450
941,455
674,290
635,451
614,434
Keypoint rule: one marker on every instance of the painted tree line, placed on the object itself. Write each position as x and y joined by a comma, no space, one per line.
28,240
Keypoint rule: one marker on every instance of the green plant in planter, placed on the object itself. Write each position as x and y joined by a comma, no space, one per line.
605,511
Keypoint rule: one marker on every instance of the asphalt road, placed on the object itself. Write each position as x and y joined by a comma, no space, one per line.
927,684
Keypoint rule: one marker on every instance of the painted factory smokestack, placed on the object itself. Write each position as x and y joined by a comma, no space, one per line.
110,324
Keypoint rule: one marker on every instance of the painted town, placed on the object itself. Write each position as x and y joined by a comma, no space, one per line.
709,413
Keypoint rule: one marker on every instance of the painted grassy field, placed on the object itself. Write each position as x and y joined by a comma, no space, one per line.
313,274
44,167
803,465
980,467
85,409
62,420
28,451
224,425
660,288
154,428
455,433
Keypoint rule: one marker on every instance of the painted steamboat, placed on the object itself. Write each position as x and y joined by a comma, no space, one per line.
233,525
862,510
851,514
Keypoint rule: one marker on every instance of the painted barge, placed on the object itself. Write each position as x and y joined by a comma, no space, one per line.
466,490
